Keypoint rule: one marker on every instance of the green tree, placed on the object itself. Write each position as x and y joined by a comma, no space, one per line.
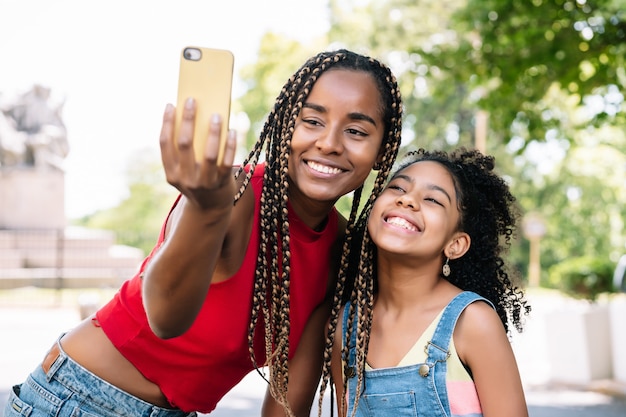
512,53
456,57
580,191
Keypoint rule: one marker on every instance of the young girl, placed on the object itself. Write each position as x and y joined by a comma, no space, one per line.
425,330
232,287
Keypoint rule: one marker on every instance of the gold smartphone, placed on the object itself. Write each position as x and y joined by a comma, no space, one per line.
206,75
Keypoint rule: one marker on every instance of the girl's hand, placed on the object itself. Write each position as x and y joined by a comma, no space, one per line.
205,184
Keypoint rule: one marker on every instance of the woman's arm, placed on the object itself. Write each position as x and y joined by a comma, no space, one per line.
483,345
203,223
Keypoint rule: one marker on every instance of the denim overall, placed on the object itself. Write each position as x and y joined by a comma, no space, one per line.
414,390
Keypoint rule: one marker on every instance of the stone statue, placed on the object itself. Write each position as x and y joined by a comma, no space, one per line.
32,132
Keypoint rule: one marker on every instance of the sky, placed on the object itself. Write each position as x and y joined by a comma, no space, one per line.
114,65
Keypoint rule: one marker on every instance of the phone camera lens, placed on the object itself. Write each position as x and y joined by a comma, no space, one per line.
192,54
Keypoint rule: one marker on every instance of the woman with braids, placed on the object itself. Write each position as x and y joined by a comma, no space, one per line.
239,277
425,330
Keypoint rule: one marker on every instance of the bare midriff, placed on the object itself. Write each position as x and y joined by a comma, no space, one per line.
87,345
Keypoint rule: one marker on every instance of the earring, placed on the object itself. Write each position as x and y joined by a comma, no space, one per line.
446,268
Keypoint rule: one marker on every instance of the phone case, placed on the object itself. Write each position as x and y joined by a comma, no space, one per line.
206,74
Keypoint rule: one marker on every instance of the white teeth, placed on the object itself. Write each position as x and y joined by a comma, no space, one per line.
323,168
398,221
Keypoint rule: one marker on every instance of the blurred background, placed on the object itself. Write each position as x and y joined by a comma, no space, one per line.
539,84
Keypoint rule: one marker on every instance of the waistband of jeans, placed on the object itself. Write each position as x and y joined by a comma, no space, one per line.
65,370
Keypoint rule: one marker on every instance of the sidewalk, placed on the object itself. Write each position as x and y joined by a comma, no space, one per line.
27,333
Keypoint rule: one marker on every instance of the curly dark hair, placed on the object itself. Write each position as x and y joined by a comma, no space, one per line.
271,284
488,213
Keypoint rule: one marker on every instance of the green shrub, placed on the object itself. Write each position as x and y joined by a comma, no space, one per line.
584,277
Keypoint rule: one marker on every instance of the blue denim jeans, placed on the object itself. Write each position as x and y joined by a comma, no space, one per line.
69,390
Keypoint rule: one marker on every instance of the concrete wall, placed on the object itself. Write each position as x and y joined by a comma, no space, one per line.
32,199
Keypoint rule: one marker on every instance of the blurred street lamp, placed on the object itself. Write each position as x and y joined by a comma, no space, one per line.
534,228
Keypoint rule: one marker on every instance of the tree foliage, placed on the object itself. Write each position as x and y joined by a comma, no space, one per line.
583,277
514,52
456,57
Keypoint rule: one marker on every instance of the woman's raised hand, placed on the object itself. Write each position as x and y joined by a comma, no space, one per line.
204,183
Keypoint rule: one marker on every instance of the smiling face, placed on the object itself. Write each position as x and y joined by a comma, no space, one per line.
337,137
417,213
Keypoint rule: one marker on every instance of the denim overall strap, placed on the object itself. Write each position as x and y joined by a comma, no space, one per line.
437,348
